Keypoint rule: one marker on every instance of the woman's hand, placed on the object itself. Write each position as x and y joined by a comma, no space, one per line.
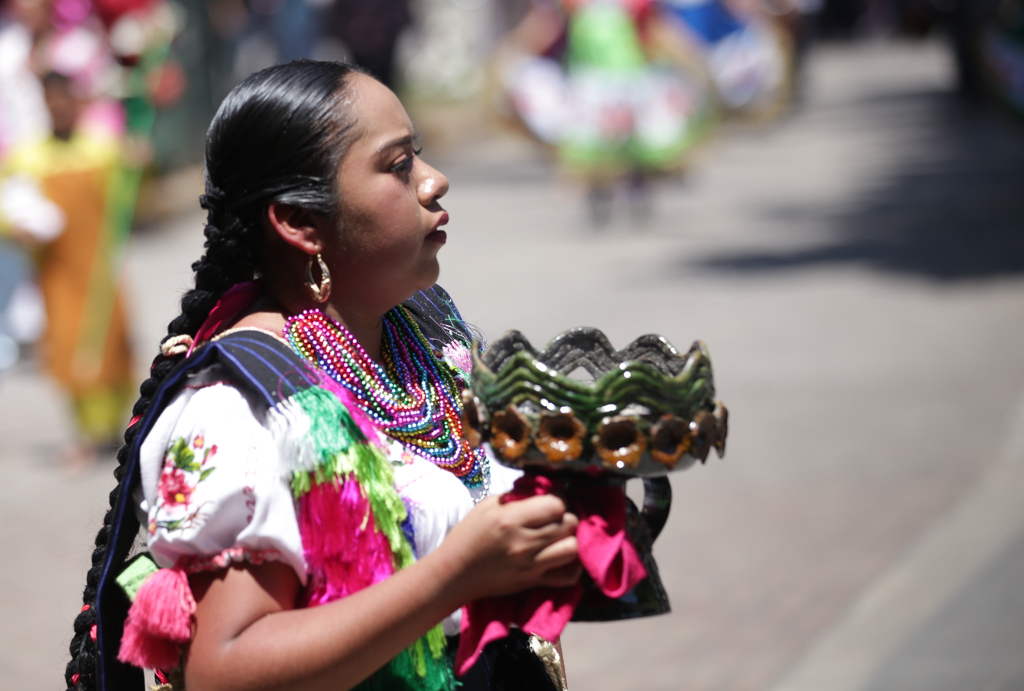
500,549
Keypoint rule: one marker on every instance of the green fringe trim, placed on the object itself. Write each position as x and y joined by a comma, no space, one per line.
342,453
413,670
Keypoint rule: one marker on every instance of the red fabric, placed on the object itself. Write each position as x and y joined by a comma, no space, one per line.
605,552
236,299
112,10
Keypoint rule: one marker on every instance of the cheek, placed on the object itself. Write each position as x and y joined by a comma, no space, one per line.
377,241
384,218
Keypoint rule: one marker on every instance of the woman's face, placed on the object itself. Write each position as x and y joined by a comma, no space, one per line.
387,246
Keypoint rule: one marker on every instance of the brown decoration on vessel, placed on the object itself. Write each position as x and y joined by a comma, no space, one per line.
670,439
510,433
619,441
560,437
703,429
721,427
472,420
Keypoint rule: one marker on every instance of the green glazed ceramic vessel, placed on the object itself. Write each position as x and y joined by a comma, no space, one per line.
642,411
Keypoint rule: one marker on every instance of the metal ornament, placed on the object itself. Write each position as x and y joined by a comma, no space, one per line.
322,290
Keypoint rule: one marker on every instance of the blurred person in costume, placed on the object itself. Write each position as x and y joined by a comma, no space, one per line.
58,192
36,37
592,78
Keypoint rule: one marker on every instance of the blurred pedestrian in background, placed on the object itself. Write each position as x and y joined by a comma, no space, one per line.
370,30
587,77
68,189
68,177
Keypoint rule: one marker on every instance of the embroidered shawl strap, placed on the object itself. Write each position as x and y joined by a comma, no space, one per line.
435,313
256,360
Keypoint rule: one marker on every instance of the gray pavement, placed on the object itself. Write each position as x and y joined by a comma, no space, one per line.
857,270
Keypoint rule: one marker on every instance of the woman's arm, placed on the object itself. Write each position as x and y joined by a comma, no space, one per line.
249,636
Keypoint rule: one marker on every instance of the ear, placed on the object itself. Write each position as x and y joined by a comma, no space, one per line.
298,227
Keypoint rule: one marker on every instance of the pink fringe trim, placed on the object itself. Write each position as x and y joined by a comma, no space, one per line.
459,355
159,621
344,551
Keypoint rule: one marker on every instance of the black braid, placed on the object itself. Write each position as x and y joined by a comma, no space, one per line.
279,136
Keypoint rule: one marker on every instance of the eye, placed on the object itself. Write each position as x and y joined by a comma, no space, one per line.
405,165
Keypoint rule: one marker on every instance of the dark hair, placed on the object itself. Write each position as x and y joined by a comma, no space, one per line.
279,136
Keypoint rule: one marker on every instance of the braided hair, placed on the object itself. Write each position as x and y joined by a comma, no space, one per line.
279,136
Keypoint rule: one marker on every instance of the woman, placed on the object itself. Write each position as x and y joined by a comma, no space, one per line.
317,492
85,346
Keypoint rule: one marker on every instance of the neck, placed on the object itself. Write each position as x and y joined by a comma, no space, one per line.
356,312
366,326
367,329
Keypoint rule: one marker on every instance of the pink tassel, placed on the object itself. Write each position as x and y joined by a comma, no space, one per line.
344,551
159,621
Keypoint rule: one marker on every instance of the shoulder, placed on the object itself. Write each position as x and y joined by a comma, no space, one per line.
270,321
434,311
244,372
213,487
26,157
255,360
208,412
96,147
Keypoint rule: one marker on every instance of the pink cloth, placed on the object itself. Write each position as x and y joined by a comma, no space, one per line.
605,552
236,299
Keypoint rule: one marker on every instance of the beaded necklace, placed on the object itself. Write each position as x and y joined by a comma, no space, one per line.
414,396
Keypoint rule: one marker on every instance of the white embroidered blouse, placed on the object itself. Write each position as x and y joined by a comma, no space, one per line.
215,488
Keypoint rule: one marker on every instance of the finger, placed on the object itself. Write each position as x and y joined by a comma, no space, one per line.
536,512
556,530
563,576
558,553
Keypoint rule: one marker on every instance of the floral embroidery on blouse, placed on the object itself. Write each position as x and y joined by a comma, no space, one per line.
185,466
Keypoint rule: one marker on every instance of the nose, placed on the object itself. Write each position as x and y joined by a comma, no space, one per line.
432,184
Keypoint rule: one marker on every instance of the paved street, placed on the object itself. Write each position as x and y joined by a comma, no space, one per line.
857,270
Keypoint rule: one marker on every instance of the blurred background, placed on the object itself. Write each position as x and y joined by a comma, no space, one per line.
830,193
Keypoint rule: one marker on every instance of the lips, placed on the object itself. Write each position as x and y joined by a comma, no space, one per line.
438,235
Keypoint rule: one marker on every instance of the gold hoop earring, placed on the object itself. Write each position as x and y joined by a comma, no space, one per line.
322,290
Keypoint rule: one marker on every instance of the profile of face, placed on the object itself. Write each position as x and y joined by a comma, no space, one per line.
390,230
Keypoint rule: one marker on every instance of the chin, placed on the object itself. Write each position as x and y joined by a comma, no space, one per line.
425,278
430,274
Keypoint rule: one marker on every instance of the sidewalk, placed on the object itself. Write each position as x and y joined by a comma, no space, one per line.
949,615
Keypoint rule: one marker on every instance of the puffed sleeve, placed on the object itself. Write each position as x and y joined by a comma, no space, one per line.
213,489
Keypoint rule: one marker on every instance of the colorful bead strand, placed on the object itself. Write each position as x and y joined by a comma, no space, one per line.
414,396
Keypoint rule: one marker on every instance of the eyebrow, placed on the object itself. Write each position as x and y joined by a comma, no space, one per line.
401,141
